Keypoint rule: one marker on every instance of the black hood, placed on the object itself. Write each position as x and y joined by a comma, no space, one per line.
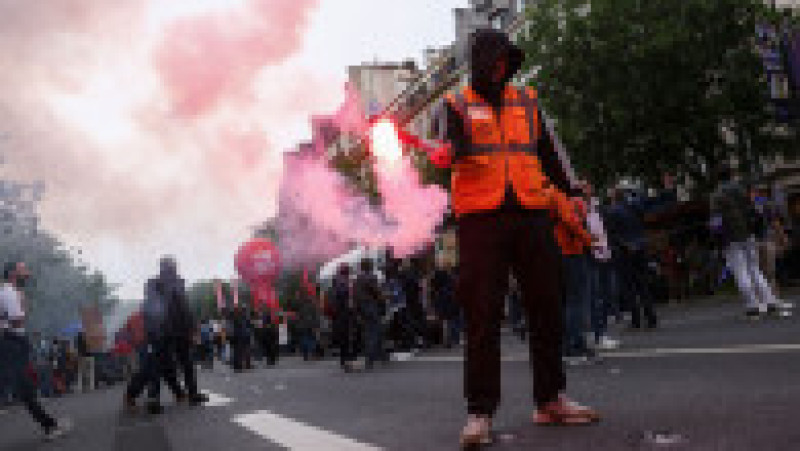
486,46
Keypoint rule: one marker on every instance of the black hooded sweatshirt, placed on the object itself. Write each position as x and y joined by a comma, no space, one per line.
486,47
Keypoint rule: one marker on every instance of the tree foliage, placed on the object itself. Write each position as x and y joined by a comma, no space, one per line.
639,87
59,285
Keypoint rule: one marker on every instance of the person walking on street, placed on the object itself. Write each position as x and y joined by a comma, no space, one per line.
307,324
626,232
155,356
270,337
343,316
770,234
15,350
399,329
207,344
507,186
180,325
577,287
443,292
414,313
602,293
734,217
239,339
369,301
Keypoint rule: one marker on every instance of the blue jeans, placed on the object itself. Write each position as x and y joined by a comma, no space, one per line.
577,304
45,373
603,296
14,359
307,343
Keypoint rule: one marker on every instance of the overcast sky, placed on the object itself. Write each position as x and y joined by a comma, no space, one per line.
158,126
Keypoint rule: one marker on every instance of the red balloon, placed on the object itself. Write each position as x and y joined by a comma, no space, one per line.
258,261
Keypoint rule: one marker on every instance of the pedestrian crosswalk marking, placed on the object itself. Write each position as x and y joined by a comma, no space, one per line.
297,436
216,400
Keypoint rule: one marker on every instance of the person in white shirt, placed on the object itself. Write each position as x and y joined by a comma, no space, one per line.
601,272
15,350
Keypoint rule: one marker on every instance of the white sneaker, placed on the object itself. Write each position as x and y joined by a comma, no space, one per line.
63,427
607,343
781,309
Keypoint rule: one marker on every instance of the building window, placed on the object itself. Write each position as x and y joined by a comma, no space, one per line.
497,22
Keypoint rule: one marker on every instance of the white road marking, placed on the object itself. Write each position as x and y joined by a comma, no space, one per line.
737,349
297,436
216,400
655,352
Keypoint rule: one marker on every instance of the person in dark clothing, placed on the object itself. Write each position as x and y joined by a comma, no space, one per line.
369,301
507,183
239,338
626,234
170,327
269,338
307,324
207,344
443,290
399,330
343,316
180,326
414,313
155,356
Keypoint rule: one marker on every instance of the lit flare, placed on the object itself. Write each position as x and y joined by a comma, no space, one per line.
386,144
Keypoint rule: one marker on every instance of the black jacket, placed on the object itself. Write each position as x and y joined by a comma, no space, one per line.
368,297
179,321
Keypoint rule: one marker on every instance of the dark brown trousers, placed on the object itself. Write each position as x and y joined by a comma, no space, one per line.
491,245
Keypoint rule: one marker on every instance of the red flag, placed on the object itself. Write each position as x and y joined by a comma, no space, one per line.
220,297
308,285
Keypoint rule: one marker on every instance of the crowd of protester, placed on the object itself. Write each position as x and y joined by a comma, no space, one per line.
649,249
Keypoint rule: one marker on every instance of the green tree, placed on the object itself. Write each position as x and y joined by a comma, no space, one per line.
639,87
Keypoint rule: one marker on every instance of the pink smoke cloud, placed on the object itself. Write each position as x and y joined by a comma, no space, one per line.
322,216
203,59
145,147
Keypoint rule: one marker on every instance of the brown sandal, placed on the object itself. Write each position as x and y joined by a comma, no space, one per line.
564,412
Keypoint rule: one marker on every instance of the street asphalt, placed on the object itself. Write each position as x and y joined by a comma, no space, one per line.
705,380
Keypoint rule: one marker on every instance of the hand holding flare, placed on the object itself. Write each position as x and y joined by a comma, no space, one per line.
387,139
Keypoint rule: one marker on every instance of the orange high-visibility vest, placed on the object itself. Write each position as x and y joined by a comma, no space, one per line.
502,149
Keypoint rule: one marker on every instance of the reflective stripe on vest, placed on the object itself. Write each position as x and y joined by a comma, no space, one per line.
519,118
